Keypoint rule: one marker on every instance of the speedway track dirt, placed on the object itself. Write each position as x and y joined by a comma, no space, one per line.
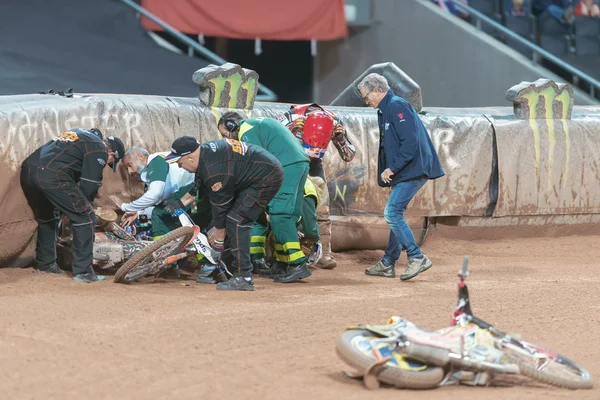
66,340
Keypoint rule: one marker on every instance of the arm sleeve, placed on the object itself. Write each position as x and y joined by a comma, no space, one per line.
406,130
221,199
91,173
152,197
157,171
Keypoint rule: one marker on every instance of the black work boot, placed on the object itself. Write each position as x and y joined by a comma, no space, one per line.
294,273
260,267
277,269
237,283
52,269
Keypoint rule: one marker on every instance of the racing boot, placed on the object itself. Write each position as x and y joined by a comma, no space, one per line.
294,273
326,261
88,277
237,283
52,269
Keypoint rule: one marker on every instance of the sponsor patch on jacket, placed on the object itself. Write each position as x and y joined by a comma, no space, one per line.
101,162
386,126
66,137
216,187
401,116
213,147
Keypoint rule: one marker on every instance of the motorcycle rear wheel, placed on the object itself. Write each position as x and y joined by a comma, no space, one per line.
150,258
347,349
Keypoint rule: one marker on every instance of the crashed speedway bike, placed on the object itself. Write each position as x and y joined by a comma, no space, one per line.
469,352
176,245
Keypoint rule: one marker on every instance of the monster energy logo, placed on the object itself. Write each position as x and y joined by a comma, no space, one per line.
227,86
543,102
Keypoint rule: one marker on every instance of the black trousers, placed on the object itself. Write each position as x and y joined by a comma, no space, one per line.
46,191
247,208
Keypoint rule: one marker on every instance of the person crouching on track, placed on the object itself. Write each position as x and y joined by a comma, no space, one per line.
286,207
240,180
164,182
65,174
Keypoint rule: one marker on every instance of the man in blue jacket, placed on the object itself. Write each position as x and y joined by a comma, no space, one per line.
407,159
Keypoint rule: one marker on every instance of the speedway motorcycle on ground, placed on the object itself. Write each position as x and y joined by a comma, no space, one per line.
470,351
178,244
113,245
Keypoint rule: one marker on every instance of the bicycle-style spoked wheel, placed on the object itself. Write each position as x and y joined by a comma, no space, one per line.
546,366
361,348
151,259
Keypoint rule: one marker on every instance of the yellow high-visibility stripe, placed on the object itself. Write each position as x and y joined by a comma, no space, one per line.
288,246
155,238
257,250
291,246
258,239
296,256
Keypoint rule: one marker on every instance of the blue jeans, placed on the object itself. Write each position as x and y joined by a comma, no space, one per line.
556,12
401,237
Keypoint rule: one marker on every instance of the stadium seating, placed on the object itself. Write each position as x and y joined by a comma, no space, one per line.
554,36
523,25
587,36
491,9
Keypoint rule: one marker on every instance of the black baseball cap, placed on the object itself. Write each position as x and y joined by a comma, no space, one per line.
118,147
181,147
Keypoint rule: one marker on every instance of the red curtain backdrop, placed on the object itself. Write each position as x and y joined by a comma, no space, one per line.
250,19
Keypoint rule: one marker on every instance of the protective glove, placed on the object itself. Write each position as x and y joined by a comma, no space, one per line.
339,133
172,205
297,125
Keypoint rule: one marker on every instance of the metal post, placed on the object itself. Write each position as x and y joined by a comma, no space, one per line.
257,46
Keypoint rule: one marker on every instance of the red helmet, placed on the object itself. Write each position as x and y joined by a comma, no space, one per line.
316,134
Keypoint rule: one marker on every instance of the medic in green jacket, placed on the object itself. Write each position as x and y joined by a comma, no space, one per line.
286,207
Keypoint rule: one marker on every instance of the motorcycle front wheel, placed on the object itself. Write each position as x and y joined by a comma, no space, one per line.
360,348
150,260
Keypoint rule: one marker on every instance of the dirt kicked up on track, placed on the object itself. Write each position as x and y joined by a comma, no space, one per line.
60,339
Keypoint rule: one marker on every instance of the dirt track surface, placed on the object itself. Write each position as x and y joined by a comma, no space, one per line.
67,340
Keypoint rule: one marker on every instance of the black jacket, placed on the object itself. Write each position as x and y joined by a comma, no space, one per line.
74,156
228,167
